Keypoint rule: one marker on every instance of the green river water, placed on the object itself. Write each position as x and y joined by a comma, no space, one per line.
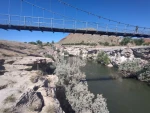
123,95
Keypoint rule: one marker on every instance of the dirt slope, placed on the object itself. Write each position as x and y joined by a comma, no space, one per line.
12,48
87,38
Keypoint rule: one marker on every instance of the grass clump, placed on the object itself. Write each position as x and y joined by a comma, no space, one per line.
6,110
10,99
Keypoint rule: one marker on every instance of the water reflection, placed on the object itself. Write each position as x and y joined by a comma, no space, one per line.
123,95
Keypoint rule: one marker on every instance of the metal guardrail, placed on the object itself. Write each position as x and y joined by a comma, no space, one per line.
17,20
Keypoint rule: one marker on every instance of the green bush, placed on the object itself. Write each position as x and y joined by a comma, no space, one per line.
34,43
10,99
53,42
125,41
6,110
39,42
113,45
103,58
93,44
106,44
100,43
144,74
130,68
147,43
138,41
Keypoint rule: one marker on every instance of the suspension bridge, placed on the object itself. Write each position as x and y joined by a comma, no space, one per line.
67,24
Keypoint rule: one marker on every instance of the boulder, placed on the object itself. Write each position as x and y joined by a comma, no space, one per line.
127,52
110,65
31,100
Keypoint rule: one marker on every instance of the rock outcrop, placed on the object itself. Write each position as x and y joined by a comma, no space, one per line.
143,53
30,100
117,55
30,81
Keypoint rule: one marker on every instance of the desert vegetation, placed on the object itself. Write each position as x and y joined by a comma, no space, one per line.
6,110
103,58
130,68
76,91
40,43
136,69
137,42
10,99
144,74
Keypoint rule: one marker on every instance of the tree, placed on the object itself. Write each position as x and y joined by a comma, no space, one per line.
53,42
39,42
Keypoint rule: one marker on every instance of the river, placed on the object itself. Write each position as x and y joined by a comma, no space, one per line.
123,95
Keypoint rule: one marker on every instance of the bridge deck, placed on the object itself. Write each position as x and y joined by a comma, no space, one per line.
35,28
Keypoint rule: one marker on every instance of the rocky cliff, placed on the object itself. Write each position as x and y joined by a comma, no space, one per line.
27,79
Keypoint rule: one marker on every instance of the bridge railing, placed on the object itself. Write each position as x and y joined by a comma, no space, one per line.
18,20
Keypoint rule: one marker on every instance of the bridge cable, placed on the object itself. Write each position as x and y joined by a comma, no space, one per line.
51,11
43,13
9,18
32,10
54,13
90,13
59,13
20,10
46,9
9,7
20,7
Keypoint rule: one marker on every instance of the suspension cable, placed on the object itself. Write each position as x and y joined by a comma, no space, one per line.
32,10
20,10
20,7
55,13
46,9
9,7
90,13
43,13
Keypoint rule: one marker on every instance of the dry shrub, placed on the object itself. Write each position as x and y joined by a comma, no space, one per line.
10,99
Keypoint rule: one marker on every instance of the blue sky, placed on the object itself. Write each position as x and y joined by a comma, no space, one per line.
135,12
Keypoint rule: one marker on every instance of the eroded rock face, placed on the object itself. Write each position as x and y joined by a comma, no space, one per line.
34,74
27,63
143,53
2,61
31,60
127,52
31,100
2,68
